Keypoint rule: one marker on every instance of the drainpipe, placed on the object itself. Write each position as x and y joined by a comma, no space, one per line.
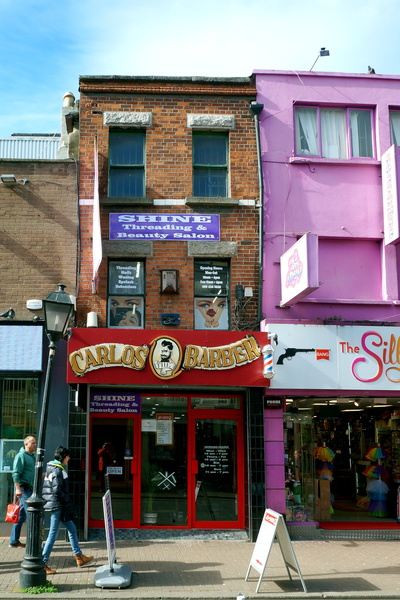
255,109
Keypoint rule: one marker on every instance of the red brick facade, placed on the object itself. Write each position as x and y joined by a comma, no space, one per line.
39,228
169,177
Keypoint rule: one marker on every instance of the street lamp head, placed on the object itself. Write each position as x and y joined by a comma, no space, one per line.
58,309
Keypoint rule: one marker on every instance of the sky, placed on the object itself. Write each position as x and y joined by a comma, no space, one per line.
45,45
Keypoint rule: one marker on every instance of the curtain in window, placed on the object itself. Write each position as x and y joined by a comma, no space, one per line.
361,134
395,128
333,130
306,131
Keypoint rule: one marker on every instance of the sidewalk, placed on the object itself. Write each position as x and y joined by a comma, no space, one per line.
217,569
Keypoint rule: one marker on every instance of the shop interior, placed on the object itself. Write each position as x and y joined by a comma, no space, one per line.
342,459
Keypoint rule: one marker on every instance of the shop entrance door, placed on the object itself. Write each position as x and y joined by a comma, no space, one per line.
114,451
217,470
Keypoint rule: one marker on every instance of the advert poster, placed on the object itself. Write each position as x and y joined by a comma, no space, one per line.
164,227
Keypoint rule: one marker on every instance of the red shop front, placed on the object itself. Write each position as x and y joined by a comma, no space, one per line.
167,422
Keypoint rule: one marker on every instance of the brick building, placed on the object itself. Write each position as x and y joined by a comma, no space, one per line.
167,353
38,249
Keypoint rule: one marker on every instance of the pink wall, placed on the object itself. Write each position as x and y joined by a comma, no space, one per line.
340,200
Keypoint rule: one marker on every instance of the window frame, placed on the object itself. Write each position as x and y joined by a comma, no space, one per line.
349,142
392,112
216,167
132,166
124,306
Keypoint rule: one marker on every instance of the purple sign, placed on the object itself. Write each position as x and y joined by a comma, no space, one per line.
114,402
159,226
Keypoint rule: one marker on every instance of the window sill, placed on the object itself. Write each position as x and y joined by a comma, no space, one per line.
126,201
348,301
192,201
342,162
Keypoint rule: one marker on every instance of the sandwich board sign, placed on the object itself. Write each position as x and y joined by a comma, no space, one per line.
112,575
273,525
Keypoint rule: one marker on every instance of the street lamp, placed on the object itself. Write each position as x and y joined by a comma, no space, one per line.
58,309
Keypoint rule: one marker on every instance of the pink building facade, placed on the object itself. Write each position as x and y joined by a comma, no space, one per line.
331,303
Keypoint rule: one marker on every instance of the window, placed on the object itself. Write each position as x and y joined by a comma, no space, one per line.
211,285
334,132
126,164
19,412
126,294
395,127
210,165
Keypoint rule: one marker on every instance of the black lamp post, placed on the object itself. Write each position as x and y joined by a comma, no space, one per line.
58,309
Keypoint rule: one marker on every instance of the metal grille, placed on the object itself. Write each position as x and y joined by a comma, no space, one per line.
20,401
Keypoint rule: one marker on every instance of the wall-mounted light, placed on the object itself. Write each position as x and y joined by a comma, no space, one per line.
169,281
322,52
10,180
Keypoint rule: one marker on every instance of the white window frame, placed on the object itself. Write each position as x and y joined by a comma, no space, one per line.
339,123
395,127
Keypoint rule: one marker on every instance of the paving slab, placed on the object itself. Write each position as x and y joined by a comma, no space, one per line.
203,569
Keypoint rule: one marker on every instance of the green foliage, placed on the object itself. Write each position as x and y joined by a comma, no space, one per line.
47,588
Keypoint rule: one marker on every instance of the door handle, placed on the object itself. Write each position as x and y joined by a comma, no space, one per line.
195,467
133,467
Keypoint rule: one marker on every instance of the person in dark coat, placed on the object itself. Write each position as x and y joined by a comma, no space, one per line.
57,501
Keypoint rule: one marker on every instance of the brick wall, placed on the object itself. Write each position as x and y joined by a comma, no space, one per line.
38,236
169,176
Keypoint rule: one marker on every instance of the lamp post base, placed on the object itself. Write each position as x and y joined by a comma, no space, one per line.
31,576
32,571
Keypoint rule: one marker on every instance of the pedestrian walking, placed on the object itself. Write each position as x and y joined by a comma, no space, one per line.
57,501
23,476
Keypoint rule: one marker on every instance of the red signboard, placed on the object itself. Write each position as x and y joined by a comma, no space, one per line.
151,357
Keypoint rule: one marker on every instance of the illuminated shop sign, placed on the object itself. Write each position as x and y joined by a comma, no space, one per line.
336,357
152,226
190,357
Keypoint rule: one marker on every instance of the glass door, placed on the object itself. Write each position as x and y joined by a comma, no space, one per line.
164,462
217,469
114,452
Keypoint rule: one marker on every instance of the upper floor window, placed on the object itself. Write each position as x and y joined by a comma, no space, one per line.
126,294
211,285
334,132
126,164
395,127
210,164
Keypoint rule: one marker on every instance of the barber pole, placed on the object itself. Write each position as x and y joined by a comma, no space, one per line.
268,356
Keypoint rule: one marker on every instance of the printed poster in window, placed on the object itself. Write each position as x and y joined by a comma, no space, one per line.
165,429
211,313
125,311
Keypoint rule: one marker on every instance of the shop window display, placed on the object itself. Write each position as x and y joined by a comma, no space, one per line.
299,463
342,460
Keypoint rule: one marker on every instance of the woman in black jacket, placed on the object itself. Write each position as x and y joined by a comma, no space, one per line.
56,494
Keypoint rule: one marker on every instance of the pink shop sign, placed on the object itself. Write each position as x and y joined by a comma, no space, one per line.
299,270
390,195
